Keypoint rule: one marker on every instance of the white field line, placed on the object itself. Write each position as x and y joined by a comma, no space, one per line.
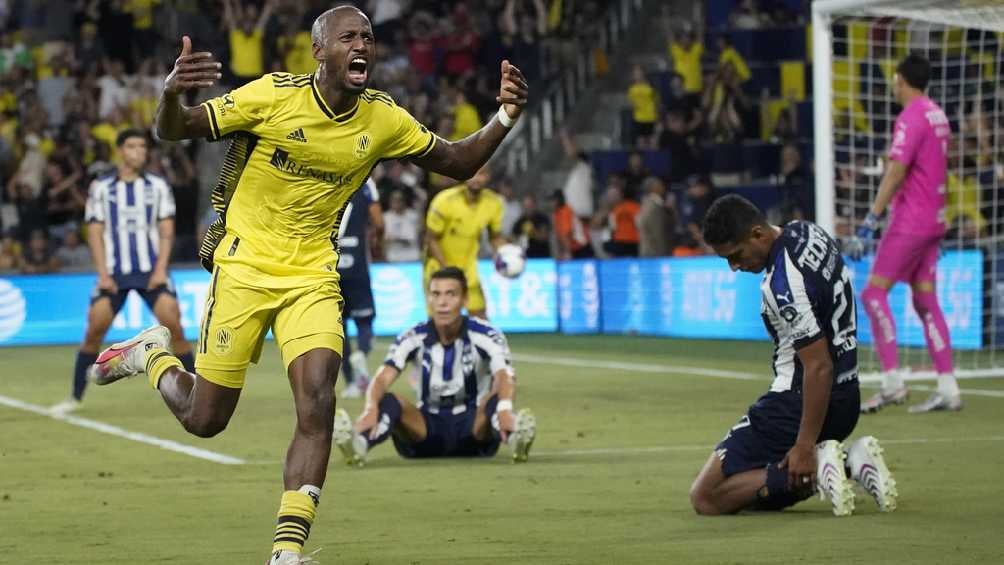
686,370
122,433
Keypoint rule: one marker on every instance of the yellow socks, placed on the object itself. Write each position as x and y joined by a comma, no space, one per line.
296,514
159,360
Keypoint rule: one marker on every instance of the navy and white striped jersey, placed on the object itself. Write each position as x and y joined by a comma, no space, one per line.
457,376
130,212
353,243
807,295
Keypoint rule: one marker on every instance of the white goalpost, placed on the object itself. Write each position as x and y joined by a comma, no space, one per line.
856,45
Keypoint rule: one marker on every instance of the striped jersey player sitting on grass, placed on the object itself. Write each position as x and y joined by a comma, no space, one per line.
467,389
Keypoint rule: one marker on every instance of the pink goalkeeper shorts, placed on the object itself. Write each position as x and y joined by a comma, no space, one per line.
908,258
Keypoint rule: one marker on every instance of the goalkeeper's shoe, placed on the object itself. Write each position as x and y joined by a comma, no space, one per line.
868,468
352,445
128,358
521,439
831,478
938,401
882,398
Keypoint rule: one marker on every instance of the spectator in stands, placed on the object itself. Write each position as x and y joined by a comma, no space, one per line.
727,54
679,138
786,127
688,104
38,257
686,47
512,209
623,224
693,206
114,87
746,15
10,252
578,189
571,233
532,230
644,109
423,43
461,45
465,116
526,30
795,185
73,254
656,220
634,175
246,30
64,196
724,103
401,227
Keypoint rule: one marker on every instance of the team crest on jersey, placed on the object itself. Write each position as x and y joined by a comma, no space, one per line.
362,145
224,341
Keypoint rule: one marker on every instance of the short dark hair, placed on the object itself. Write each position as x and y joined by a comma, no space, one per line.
730,220
915,70
129,133
454,273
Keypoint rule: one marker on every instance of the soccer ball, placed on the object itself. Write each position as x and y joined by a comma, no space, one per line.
510,261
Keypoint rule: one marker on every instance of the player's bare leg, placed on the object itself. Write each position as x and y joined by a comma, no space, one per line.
202,407
312,377
713,493
99,318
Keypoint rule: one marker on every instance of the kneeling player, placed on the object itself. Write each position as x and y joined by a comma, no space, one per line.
789,441
467,389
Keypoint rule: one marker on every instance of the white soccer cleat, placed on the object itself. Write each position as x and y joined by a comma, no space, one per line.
831,478
352,445
938,401
521,439
868,468
882,398
352,390
65,407
290,558
128,358
358,362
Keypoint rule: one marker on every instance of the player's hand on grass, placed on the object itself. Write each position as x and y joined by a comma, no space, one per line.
192,70
507,424
800,461
513,92
367,422
107,284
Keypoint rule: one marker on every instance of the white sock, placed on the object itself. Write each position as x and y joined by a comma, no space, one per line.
892,381
311,491
947,385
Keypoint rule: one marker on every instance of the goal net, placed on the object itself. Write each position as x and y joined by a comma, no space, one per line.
856,47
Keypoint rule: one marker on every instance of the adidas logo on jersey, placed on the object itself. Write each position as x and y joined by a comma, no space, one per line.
297,135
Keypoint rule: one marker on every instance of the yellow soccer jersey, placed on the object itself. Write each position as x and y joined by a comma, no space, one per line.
289,172
459,223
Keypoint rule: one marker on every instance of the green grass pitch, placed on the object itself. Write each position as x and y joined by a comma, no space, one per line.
620,440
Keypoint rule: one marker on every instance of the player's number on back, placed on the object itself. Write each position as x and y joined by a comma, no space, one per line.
843,320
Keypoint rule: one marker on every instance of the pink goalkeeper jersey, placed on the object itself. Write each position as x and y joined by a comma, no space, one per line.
920,142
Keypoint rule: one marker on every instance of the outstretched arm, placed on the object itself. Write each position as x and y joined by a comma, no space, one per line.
461,159
380,384
174,120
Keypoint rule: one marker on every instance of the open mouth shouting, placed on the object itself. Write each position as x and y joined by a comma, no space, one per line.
358,72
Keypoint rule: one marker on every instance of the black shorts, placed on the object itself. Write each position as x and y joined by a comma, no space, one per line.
644,129
133,283
448,435
358,296
770,427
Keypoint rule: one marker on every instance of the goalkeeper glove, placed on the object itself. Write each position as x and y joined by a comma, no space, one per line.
855,248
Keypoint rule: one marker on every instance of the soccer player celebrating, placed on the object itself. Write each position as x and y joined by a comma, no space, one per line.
914,185
457,216
300,147
789,441
467,390
362,212
130,230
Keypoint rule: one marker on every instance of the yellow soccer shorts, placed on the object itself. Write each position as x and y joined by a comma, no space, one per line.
237,318
475,296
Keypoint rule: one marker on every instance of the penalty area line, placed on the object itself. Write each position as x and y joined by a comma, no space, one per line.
116,431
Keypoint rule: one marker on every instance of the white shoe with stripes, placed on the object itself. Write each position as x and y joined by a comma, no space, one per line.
128,358
831,478
868,468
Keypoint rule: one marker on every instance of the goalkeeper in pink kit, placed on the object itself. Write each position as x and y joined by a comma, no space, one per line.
914,185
